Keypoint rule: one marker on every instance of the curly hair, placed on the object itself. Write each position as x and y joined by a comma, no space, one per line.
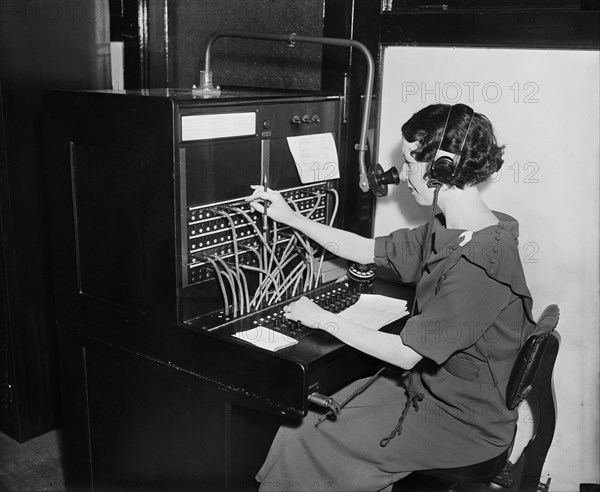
481,156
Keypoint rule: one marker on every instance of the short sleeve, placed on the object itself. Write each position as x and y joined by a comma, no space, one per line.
402,252
467,303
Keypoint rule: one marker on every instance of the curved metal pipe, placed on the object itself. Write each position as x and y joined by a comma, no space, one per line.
294,38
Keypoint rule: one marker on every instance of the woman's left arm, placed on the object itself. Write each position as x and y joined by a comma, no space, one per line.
387,347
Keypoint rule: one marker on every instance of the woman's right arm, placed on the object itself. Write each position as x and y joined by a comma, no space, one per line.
339,242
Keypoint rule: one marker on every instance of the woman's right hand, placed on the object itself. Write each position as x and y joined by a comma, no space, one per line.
277,207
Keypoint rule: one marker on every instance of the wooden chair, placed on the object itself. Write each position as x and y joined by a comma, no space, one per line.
530,380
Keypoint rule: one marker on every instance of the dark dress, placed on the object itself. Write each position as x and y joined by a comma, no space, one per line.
474,313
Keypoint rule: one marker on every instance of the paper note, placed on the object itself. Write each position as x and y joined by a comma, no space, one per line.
375,311
315,157
266,338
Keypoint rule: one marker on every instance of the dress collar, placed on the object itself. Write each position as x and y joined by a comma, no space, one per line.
507,228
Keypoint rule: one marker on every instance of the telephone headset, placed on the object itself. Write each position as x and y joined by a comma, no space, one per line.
445,164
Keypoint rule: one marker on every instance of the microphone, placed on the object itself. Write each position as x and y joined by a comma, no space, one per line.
378,179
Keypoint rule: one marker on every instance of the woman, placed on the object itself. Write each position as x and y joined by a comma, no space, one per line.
472,314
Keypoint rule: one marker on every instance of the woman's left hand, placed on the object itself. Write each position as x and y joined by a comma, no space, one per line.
309,314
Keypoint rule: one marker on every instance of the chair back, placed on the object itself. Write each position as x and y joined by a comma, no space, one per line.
530,356
531,379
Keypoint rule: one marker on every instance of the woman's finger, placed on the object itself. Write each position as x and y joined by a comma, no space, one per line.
261,195
257,194
257,206
261,189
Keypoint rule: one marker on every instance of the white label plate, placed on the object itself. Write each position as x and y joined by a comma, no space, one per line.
209,126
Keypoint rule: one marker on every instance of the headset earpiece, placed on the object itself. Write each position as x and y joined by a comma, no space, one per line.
445,164
443,169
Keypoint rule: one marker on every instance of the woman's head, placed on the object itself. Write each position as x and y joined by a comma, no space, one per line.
480,157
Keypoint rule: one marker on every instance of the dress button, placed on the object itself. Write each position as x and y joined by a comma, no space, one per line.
498,231
498,237
501,225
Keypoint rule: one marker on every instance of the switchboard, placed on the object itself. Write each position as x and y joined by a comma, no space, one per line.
163,272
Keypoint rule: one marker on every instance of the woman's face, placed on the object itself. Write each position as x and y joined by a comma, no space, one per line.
412,173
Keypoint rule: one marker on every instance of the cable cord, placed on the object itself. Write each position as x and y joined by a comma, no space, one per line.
284,280
246,292
310,279
233,236
331,221
251,222
310,259
243,284
412,400
296,286
273,282
426,247
288,282
230,277
268,250
261,269
220,279
288,248
333,415
307,249
258,232
263,292
316,205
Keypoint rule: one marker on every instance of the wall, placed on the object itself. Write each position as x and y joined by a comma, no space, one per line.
544,105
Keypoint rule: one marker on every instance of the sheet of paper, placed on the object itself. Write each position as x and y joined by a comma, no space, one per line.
375,311
266,338
315,157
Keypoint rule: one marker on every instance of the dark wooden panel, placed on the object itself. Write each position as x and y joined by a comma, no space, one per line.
480,5
241,62
250,436
541,29
108,232
42,44
150,431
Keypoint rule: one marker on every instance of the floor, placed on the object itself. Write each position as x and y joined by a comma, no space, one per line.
31,466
